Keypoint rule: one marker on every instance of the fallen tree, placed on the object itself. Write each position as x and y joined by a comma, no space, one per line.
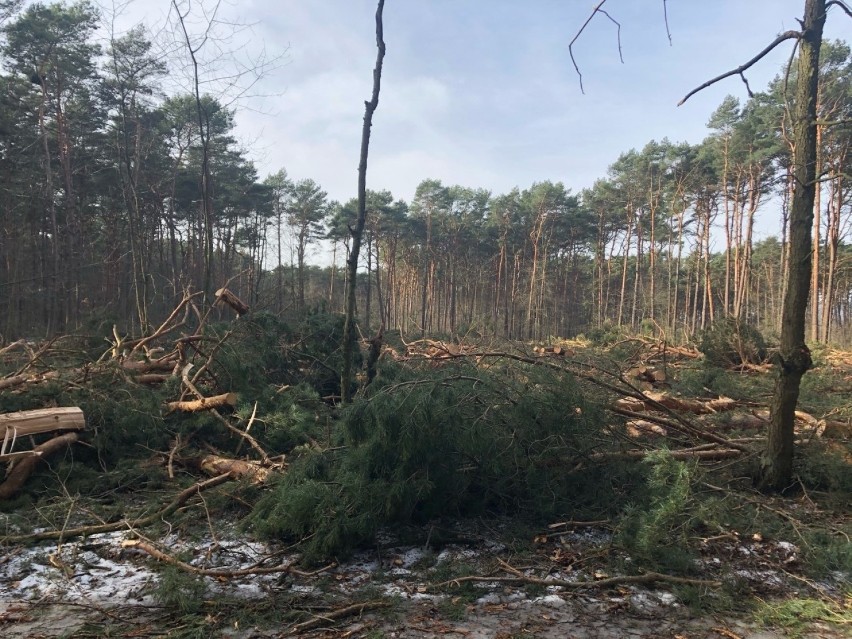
25,466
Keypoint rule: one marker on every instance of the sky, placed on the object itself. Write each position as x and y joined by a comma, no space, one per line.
483,93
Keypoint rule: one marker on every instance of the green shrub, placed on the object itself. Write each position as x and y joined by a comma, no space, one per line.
453,443
655,527
731,342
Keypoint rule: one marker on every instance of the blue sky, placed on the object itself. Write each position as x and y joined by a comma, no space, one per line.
483,93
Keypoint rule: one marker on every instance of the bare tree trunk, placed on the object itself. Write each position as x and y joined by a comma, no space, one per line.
815,297
794,358
358,231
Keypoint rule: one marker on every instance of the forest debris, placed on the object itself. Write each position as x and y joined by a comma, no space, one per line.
638,428
647,578
212,410
837,430
223,573
21,471
33,422
340,613
165,363
151,378
10,347
829,428
123,524
557,350
236,468
25,378
226,296
204,403
696,406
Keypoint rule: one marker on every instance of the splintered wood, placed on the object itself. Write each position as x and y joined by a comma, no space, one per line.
33,422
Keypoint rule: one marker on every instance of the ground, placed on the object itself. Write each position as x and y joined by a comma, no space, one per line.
95,588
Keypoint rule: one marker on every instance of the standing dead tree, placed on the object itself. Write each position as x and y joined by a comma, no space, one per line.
793,359
358,231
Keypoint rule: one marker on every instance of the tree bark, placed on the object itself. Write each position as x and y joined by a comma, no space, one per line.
357,232
19,474
794,358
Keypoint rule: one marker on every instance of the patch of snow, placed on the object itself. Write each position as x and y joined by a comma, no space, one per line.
551,601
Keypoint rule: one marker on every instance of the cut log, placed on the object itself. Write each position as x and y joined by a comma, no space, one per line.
24,378
24,467
638,428
204,403
696,406
226,296
32,422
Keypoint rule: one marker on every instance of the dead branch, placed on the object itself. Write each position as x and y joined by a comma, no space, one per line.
787,35
340,613
223,573
10,347
123,524
839,3
578,524
21,471
264,457
647,578
204,403
165,327
594,12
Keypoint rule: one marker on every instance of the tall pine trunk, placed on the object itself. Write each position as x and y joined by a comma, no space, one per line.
794,358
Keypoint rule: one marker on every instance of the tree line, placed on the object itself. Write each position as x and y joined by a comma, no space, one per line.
116,198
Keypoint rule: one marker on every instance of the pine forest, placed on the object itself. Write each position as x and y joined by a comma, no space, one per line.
231,380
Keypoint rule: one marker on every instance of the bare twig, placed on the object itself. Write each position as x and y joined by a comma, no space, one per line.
594,12
838,3
666,20
334,615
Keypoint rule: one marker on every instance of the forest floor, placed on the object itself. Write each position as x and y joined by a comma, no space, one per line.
94,587
137,558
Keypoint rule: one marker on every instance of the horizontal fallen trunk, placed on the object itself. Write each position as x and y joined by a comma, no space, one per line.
26,378
695,406
21,471
204,403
